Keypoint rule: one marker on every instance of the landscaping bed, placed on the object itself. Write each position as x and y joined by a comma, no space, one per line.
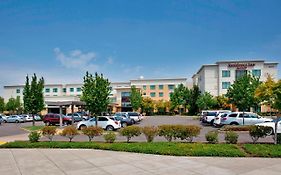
263,150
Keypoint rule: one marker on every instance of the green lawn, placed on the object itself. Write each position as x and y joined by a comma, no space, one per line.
161,148
33,128
263,150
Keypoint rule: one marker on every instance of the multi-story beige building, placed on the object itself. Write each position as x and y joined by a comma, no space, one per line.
217,78
157,89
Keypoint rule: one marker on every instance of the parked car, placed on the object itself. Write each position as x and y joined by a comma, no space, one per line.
124,119
37,117
134,116
52,119
272,126
1,119
104,122
4,118
27,118
15,119
83,114
77,117
217,121
209,116
236,118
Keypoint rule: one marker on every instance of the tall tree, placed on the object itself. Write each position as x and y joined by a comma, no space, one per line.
147,105
33,97
264,92
277,105
135,98
161,107
242,92
206,101
179,98
194,95
2,104
95,93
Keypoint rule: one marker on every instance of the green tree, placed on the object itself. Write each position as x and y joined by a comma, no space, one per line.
2,104
194,95
206,101
18,105
12,105
242,92
33,98
264,92
179,98
277,105
147,105
222,102
95,93
161,107
135,98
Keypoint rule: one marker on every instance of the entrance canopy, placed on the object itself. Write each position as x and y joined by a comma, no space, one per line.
65,103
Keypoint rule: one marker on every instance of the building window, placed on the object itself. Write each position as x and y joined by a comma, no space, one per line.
144,87
161,87
18,91
161,94
240,73
64,90
152,94
71,89
47,90
225,85
171,86
256,72
152,87
55,90
78,89
226,73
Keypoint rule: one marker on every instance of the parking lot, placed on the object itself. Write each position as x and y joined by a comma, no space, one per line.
10,129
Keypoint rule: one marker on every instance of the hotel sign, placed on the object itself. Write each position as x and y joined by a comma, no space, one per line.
241,65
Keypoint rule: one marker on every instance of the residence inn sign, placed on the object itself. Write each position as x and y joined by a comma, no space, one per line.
241,65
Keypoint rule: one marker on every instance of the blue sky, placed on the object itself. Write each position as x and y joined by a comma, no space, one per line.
125,39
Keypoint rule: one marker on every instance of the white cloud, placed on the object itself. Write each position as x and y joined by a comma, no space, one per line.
76,59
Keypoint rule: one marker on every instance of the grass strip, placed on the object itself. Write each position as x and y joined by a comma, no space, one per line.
160,148
33,128
263,150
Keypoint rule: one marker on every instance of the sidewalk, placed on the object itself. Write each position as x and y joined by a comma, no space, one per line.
75,161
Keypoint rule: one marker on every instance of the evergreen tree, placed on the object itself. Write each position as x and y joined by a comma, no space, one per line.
194,95
2,104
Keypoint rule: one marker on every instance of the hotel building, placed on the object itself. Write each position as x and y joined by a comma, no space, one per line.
157,89
217,78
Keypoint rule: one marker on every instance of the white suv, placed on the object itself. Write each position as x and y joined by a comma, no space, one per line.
209,116
236,118
104,122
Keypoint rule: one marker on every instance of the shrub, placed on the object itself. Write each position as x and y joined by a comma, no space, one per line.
130,131
34,136
92,132
150,132
257,132
167,131
70,132
109,137
231,137
49,132
187,132
236,128
212,137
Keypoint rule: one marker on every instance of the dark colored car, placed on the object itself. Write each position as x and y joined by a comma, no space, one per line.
1,119
76,116
124,119
53,119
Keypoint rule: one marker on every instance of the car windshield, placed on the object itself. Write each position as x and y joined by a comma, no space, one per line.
133,114
211,113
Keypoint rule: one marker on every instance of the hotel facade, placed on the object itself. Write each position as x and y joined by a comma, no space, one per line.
217,78
156,89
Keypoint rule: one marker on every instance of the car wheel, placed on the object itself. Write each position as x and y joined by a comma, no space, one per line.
5,121
269,132
82,127
124,124
133,121
17,121
234,123
212,122
47,123
109,128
